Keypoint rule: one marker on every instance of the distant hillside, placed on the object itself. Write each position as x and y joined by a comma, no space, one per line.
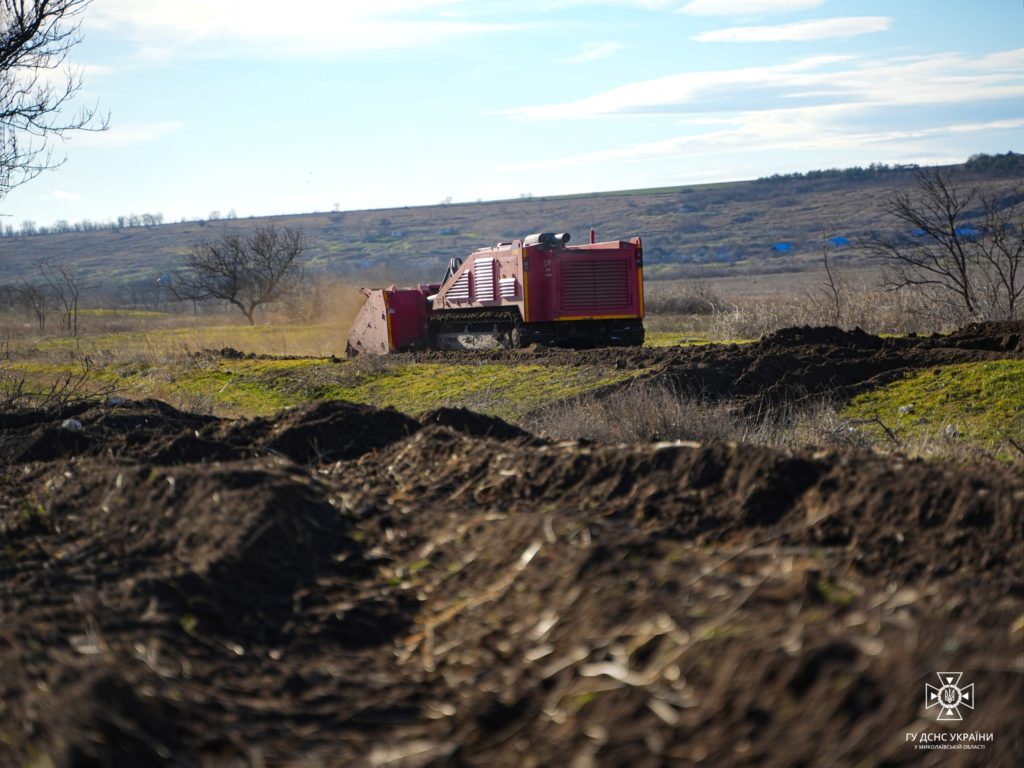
733,226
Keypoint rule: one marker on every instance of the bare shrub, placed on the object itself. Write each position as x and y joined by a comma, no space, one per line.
33,299
699,298
865,307
647,411
197,403
63,389
653,411
66,287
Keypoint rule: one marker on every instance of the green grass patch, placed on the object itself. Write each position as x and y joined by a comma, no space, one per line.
979,405
132,313
41,375
261,387
245,387
675,339
508,391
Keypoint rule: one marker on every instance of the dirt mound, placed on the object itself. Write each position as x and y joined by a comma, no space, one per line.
800,363
102,720
829,335
342,584
1003,337
325,431
457,599
129,429
152,431
721,493
181,585
230,353
472,423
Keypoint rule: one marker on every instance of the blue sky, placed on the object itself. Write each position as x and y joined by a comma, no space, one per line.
246,105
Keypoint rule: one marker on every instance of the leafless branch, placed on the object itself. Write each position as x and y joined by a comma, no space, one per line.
831,283
38,87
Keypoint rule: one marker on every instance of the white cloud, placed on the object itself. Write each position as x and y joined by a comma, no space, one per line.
801,31
790,130
822,104
746,7
942,79
165,29
685,91
593,52
266,28
60,194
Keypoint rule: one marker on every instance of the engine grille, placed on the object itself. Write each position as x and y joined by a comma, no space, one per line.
595,285
460,290
483,279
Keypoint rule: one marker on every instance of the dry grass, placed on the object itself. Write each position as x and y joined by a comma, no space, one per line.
703,308
312,323
645,412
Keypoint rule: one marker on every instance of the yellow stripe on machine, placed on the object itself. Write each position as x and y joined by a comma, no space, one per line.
640,288
387,315
598,317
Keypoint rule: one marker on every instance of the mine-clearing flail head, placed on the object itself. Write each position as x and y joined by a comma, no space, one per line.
392,319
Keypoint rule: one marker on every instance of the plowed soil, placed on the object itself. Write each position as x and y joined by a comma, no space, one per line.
791,364
342,585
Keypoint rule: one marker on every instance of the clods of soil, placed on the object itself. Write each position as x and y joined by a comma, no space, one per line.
347,585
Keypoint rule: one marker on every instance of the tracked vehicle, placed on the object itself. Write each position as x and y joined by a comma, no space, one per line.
536,290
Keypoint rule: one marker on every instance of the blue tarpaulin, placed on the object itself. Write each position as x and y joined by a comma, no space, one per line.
839,242
782,247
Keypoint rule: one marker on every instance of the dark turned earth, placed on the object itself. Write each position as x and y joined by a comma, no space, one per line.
342,585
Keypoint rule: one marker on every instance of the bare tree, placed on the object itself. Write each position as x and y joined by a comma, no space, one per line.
1002,252
832,284
66,288
36,103
247,271
33,299
965,247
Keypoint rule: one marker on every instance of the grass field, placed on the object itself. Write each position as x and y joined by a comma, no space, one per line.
933,411
185,367
219,366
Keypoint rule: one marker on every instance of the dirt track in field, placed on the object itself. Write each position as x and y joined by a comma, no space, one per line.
344,585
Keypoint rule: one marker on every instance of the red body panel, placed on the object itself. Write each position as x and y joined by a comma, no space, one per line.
407,313
581,282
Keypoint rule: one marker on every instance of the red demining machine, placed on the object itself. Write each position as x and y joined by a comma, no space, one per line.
536,290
